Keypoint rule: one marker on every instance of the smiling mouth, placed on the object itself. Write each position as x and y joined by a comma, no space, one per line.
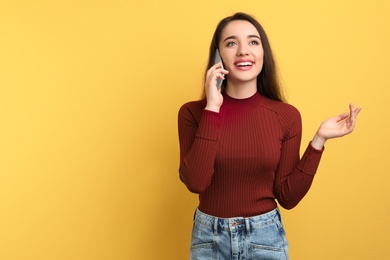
244,64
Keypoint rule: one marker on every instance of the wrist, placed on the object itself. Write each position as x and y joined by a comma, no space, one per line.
318,142
212,108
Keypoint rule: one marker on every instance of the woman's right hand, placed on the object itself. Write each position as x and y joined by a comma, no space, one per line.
213,94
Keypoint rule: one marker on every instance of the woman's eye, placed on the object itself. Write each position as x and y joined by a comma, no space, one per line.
254,43
230,44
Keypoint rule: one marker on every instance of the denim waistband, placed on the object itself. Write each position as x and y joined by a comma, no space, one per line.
237,223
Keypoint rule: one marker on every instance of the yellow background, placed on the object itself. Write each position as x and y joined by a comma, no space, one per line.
89,94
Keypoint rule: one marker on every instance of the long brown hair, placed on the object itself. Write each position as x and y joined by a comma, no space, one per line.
268,83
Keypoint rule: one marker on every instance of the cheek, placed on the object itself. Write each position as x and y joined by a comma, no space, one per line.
260,58
260,55
227,61
226,55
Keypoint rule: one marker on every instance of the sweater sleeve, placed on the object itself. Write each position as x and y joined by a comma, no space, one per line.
295,175
198,139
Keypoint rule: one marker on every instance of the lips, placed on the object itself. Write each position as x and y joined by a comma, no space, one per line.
244,64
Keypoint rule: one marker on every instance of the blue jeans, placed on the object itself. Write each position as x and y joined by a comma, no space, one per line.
258,237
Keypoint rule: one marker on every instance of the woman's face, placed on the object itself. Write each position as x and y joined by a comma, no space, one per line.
241,51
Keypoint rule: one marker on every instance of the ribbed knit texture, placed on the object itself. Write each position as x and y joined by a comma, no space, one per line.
244,157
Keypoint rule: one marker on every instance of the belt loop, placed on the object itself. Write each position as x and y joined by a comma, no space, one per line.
248,228
215,226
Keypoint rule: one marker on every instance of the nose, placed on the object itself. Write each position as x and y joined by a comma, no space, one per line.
242,50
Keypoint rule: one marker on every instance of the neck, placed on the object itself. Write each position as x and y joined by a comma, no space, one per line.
241,90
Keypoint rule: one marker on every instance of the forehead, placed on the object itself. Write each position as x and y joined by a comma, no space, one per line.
239,28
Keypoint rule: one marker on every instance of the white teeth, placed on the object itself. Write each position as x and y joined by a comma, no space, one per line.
241,64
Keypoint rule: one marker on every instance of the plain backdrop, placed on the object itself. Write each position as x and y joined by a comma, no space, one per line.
89,95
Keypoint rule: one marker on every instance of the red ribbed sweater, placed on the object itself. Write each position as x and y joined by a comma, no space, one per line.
244,158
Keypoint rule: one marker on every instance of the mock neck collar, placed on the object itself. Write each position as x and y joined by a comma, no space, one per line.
244,103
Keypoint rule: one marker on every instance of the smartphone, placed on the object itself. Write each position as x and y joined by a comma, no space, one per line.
218,59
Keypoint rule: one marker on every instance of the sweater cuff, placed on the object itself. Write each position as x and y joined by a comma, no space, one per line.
310,160
209,126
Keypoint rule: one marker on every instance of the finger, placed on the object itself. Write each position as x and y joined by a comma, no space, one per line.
351,110
342,116
221,76
217,65
357,111
221,70
214,72
213,68
217,74
351,125
354,111
353,119
213,75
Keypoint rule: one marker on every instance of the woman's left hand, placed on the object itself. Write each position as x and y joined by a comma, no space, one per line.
336,127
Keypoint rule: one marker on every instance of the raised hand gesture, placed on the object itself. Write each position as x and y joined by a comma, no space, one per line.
337,126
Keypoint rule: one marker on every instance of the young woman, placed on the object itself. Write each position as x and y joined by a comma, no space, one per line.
239,149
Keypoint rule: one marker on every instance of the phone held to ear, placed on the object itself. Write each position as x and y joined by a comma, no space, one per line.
218,59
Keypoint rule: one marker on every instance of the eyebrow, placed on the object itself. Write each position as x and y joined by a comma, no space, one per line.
235,37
